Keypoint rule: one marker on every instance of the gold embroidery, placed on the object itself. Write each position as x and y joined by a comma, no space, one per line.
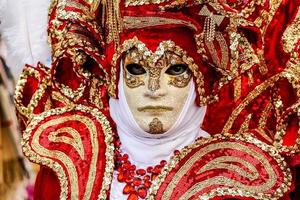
210,23
241,190
143,2
70,93
228,182
156,126
75,141
263,121
63,157
64,14
248,56
224,162
144,22
292,35
94,4
60,98
213,52
44,155
281,129
251,96
36,97
114,21
95,93
245,125
237,84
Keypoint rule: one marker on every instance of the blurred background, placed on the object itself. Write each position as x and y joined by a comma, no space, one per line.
23,40
17,175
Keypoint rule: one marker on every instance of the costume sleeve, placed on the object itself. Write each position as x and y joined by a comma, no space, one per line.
47,185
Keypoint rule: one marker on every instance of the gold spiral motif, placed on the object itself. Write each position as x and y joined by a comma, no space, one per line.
262,175
64,158
52,126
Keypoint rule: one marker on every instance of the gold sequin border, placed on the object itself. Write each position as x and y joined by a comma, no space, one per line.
38,94
32,156
219,192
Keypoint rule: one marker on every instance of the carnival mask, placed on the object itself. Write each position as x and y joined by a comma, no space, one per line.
156,87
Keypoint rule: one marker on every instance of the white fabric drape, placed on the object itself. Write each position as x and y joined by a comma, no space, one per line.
145,149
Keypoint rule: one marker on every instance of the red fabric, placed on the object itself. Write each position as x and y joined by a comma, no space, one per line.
46,185
264,40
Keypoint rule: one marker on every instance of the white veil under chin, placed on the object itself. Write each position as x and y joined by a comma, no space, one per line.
140,144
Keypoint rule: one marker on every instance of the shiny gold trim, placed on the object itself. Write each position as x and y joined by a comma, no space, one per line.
75,141
36,97
237,86
284,187
291,35
95,93
222,180
60,98
143,2
245,126
251,96
144,22
43,154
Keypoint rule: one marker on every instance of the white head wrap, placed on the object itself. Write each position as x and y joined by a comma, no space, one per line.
145,149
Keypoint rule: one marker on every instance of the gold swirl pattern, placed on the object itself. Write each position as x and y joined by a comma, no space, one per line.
225,172
50,138
75,141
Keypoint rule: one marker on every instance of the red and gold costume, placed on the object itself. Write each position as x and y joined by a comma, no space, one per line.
244,57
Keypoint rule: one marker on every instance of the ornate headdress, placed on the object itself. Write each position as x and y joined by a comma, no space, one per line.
244,56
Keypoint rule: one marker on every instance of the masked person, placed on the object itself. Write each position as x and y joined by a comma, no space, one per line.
165,100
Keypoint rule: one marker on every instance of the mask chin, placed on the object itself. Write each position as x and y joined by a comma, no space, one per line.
156,111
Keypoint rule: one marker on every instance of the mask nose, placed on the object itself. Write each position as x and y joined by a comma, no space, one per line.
154,76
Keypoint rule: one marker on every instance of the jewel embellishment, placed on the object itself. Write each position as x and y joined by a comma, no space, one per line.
210,23
137,181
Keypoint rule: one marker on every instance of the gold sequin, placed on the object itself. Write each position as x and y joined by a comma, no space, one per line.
38,154
238,189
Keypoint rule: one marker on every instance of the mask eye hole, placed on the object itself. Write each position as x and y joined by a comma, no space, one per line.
177,69
135,69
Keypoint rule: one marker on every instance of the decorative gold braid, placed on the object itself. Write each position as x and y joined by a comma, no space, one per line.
113,20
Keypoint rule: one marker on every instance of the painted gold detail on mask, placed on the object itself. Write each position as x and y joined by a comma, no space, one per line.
155,109
149,56
154,75
132,81
181,80
156,126
146,59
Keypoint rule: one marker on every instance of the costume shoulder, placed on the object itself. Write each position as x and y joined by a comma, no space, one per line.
238,167
71,137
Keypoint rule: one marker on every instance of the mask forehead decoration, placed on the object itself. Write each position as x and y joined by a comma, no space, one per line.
153,58
154,63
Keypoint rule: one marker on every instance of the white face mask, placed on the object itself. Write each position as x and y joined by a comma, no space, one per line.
155,92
